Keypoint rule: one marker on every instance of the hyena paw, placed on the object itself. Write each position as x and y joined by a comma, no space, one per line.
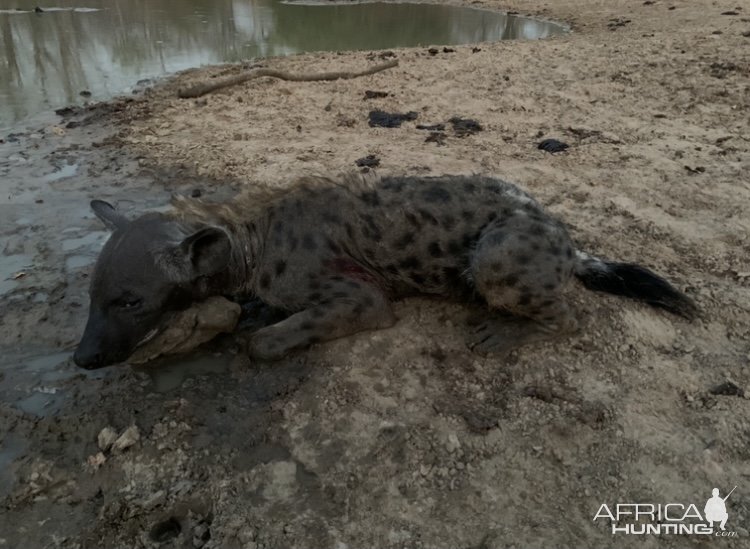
485,339
266,347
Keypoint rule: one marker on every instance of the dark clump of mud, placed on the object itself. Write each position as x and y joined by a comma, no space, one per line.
390,119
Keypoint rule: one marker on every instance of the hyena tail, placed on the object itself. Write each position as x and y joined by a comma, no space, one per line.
633,281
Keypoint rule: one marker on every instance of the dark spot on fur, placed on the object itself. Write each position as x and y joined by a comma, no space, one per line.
278,227
449,222
523,259
353,284
547,303
371,230
436,194
307,325
467,215
469,187
510,280
369,253
340,295
454,247
331,217
333,246
525,299
569,253
435,249
404,241
412,219
451,273
368,301
537,230
468,240
318,312
315,296
308,242
314,284
417,278
349,230
550,287
280,267
491,217
292,240
370,198
313,339
427,216
265,280
410,262
394,185
554,250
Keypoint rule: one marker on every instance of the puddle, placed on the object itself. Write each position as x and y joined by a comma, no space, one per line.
39,385
169,373
104,47
90,240
68,170
11,447
74,262
10,265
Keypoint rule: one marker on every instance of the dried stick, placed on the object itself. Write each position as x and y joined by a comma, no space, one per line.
208,87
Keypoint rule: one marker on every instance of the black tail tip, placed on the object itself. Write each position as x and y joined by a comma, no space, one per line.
636,282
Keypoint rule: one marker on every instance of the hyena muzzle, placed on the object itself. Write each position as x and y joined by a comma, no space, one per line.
333,254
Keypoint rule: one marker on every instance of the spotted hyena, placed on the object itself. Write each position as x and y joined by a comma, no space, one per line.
333,254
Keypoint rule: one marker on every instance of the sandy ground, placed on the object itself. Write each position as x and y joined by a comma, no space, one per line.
403,438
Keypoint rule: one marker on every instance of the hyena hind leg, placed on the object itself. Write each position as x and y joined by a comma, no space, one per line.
521,268
347,307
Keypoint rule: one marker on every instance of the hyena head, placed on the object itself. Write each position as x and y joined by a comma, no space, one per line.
149,268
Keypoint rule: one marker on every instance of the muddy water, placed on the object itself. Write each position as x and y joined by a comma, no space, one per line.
103,47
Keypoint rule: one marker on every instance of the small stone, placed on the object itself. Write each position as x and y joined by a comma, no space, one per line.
129,436
453,443
96,460
106,438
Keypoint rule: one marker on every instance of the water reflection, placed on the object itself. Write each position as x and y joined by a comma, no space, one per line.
104,46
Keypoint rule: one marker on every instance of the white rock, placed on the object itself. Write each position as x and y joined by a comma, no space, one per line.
106,438
129,436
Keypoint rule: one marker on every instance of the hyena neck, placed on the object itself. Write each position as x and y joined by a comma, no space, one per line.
247,249
246,223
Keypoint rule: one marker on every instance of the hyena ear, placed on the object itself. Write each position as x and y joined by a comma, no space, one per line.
109,216
208,251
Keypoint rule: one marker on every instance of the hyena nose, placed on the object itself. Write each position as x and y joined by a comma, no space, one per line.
90,360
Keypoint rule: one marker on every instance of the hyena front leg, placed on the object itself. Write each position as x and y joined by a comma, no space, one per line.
344,307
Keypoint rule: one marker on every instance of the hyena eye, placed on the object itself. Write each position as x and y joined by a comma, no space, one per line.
129,303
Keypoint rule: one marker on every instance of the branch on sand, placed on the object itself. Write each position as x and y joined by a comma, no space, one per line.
208,87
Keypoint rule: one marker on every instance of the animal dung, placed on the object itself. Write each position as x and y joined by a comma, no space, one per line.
390,119
552,146
371,94
465,126
369,161
190,328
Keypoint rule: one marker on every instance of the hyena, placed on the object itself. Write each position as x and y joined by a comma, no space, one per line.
334,253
